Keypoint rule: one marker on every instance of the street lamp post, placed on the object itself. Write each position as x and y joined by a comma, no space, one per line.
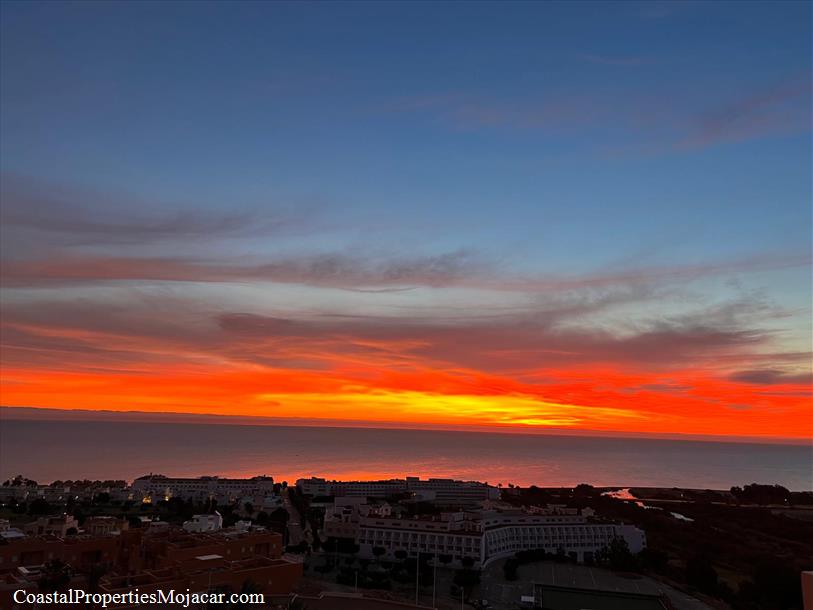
434,577
209,588
417,575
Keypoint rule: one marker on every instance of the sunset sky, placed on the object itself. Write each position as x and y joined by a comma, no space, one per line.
530,216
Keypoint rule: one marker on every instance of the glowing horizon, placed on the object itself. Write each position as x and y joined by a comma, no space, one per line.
239,394
352,222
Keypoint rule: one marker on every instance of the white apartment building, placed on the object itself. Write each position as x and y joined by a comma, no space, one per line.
505,534
488,535
204,523
60,494
449,491
103,525
439,491
9,493
371,489
342,518
58,525
159,487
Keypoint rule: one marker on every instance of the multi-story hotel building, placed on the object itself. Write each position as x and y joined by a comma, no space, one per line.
439,491
490,534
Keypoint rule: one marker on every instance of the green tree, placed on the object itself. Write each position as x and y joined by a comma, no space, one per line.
279,515
56,576
615,556
39,506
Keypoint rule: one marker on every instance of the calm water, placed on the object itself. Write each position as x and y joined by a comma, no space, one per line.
48,450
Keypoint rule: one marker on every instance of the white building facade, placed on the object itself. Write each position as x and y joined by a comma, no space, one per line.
157,487
204,523
438,491
485,536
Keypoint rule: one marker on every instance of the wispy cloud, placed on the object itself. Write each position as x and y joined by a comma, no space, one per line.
775,109
523,341
459,268
513,344
664,122
333,270
70,216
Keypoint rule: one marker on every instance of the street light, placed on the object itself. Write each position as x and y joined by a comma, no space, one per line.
434,576
417,575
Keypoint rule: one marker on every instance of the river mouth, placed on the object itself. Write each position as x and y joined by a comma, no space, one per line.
625,495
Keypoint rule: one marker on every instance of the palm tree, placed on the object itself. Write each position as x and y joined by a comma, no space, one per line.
379,551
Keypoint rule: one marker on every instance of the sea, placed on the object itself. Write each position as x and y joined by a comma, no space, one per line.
59,450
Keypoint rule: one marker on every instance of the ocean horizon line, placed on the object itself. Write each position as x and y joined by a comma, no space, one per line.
29,413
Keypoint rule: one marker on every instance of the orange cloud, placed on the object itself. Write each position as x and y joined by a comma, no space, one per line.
620,401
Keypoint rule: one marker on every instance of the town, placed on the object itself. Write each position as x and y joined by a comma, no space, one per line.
322,544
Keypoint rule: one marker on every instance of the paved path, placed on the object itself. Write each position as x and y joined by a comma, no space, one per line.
296,532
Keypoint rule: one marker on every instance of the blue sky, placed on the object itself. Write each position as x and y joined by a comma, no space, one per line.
427,151
494,122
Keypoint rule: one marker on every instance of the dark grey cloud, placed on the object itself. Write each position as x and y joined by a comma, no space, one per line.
62,215
69,333
772,377
513,343
675,388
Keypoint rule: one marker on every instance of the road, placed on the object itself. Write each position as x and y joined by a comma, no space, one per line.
296,532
